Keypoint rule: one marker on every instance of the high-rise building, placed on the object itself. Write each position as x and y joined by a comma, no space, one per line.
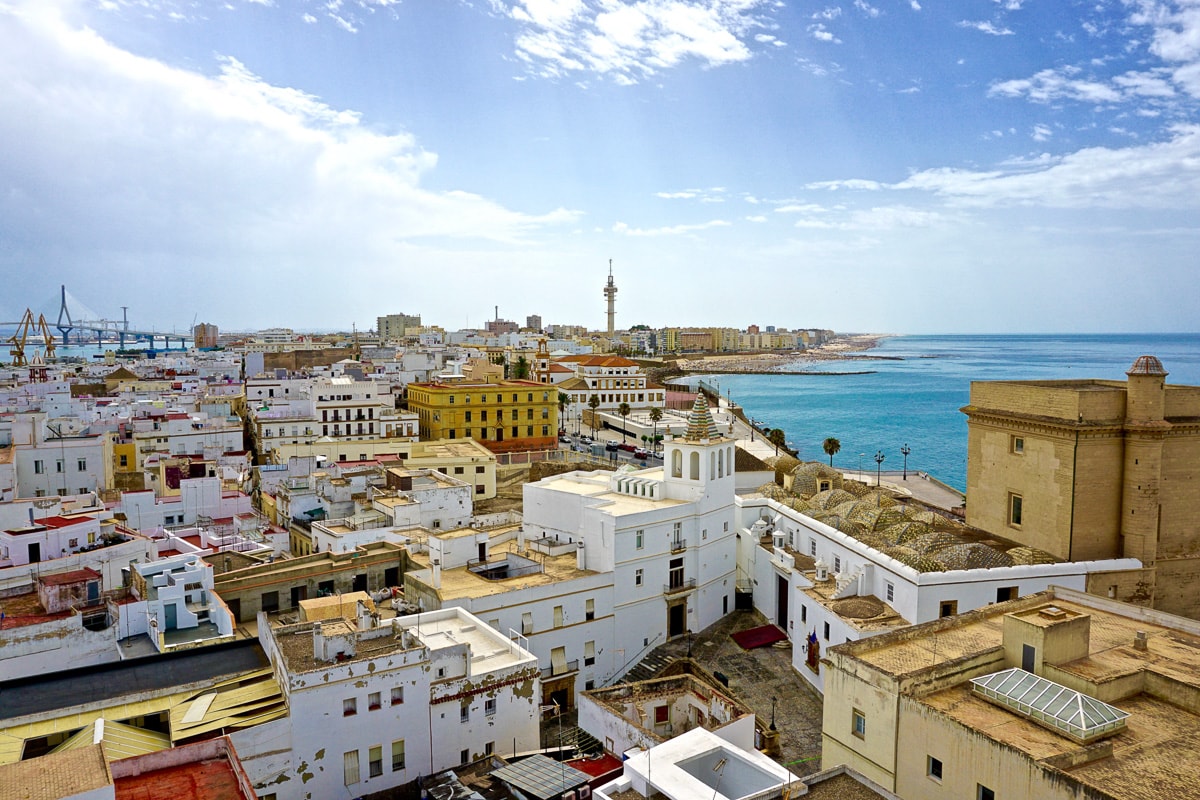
204,335
393,326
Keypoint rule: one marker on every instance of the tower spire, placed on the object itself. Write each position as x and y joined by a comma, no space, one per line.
610,294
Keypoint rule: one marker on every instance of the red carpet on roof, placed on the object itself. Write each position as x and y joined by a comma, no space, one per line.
759,637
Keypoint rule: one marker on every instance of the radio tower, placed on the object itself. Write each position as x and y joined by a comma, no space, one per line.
610,294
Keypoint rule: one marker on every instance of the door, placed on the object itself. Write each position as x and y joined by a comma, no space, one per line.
35,552
299,593
781,602
169,621
235,609
93,592
360,582
1028,656
677,619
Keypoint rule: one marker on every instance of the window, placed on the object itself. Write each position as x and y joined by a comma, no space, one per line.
489,707
373,701
933,768
350,767
639,539
890,590
590,610
1014,510
984,793
527,622
637,577
558,616
803,613
1005,593
812,547
375,761
464,714
82,465
489,748
397,695
948,608
349,706
1018,445
827,631
397,755
837,564
464,756
589,653
58,465
859,724
479,470
467,418
662,714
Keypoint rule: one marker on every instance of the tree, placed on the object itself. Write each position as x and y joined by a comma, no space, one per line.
521,370
832,447
623,410
656,414
778,438
564,400
593,404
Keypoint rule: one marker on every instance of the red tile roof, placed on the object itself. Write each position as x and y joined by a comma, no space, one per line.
74,576
197,781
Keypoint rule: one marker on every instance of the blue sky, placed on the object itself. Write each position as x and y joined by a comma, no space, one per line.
900,166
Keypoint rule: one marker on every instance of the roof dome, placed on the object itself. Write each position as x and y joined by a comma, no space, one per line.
1147,365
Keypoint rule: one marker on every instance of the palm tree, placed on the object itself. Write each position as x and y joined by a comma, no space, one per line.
778,438
521,370
656,414
593,404
623,410
564,400
832,447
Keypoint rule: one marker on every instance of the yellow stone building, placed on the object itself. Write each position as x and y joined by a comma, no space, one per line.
1092,469
1060,695
503,416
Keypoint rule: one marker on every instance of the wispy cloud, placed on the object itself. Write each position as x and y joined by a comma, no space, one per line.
866,8
628,41
1069,83
670,230
985,26
715,194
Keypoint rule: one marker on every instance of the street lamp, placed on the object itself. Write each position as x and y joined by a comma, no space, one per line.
904,451
773,700
878,466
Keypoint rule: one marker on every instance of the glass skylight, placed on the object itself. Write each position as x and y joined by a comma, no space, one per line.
1051,704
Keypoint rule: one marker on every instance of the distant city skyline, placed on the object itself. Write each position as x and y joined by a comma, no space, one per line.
983,166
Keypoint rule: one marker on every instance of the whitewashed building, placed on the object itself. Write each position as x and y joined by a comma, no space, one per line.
374,708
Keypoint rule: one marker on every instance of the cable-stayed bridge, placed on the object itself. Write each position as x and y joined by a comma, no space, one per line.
77,324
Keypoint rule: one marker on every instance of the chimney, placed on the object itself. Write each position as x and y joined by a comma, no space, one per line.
581,557
1140,642
521,538
437,573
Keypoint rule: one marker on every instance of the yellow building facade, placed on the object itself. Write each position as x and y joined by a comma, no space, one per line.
1091,469
504,416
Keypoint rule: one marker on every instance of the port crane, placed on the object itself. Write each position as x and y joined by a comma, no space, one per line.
25,327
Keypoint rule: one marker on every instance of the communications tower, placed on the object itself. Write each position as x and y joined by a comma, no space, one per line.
610,294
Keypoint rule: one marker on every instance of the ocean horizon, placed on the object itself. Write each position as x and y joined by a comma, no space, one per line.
912,387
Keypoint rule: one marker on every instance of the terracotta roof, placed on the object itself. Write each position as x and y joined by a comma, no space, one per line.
55,775
1147,365
74,576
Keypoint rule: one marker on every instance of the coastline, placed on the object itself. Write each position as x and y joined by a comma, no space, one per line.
851,347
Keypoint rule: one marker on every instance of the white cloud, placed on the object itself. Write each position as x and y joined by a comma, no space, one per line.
670,230
143,168
757,218
628,41
1041,133
1057,84
914,5
854,184
309,18
866,8
714,194
985,27
821,34
828,13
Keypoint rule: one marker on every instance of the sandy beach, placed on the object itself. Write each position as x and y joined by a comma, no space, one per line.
851,348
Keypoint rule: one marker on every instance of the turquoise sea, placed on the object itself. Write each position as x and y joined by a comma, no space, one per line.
914,395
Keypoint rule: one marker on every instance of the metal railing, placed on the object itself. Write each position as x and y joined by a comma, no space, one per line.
675,587
678,545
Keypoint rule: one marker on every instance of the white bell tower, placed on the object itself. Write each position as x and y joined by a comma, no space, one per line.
699,465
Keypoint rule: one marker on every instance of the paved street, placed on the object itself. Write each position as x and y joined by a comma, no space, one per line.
755,676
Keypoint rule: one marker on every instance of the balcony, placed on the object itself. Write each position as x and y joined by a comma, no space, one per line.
558,670
679,587
678,545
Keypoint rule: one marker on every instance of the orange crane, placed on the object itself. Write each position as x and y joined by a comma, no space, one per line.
26,326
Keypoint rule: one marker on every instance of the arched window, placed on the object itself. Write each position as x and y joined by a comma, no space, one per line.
694,467
721,463
676,464
712,465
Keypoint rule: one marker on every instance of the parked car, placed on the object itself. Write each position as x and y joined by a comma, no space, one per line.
565,439
627,447
586,440
640,453
611,446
